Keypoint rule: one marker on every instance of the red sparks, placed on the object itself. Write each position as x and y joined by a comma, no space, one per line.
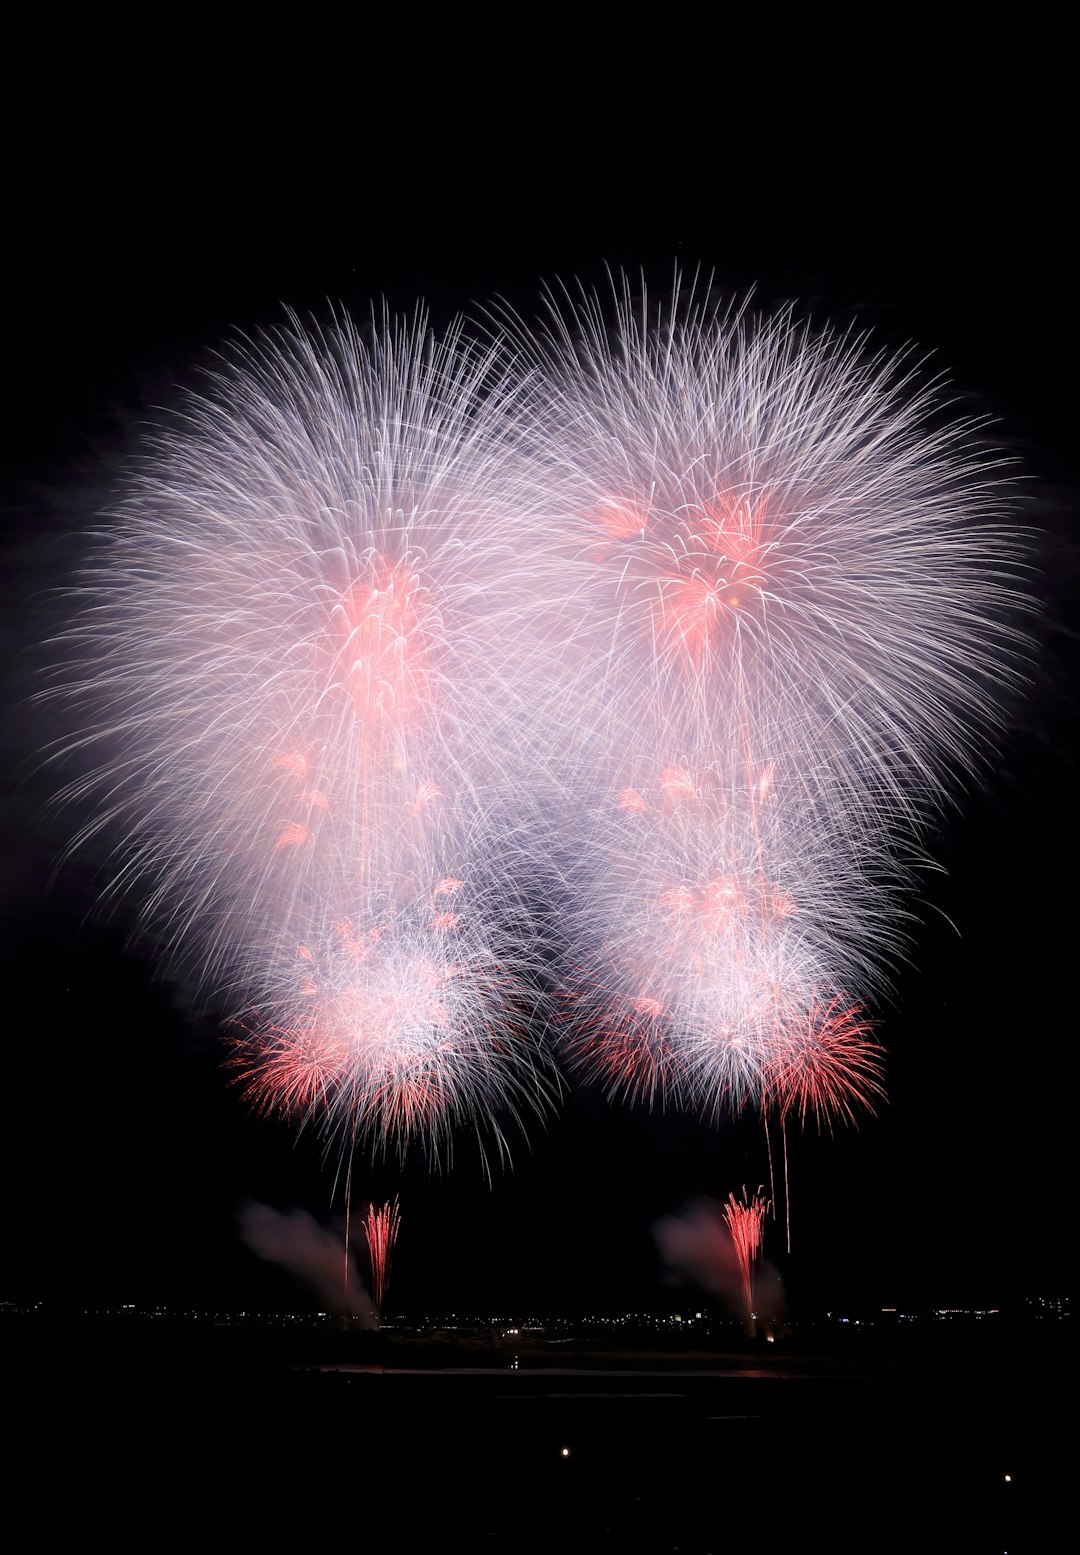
426,795
677,781
387,1035
622,520
690,611
737,532
631,800
825,1063
379,661
695,567
380,1231
293,835
746,1222
294,762
296,1069
625,1043
716,907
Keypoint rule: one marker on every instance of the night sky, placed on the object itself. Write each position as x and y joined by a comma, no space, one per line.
127,1155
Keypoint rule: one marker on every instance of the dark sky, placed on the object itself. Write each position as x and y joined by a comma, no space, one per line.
127,1157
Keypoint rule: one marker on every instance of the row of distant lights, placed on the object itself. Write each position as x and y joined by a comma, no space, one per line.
1045,1305
529,1326
538,1325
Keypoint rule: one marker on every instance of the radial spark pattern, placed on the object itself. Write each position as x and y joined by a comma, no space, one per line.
293,645
784,600
631,654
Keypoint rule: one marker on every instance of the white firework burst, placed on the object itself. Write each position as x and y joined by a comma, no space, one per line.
298,707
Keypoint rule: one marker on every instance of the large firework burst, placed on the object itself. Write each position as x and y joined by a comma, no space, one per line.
633,651
779,593
291,644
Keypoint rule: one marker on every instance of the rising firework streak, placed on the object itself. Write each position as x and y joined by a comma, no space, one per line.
746,1223
380,1232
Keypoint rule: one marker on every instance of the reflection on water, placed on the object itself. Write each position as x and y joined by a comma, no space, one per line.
908,1453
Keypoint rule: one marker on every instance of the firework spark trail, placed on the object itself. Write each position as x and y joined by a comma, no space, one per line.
381,1232
301,711
781,591
746,1222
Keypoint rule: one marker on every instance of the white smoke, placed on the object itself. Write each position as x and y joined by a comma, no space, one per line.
696,1246
313,1255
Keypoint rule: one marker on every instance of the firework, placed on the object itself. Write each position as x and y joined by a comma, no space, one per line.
746,1222
751,517
779,598
824,1062
413,676
707,918
404,1033
295,687
380,1232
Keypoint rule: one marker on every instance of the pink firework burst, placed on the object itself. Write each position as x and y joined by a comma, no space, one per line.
779,593
296,650
634,650
750,516
400,1036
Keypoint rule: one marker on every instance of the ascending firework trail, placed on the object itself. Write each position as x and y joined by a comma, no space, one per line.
380,1232
746,1223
